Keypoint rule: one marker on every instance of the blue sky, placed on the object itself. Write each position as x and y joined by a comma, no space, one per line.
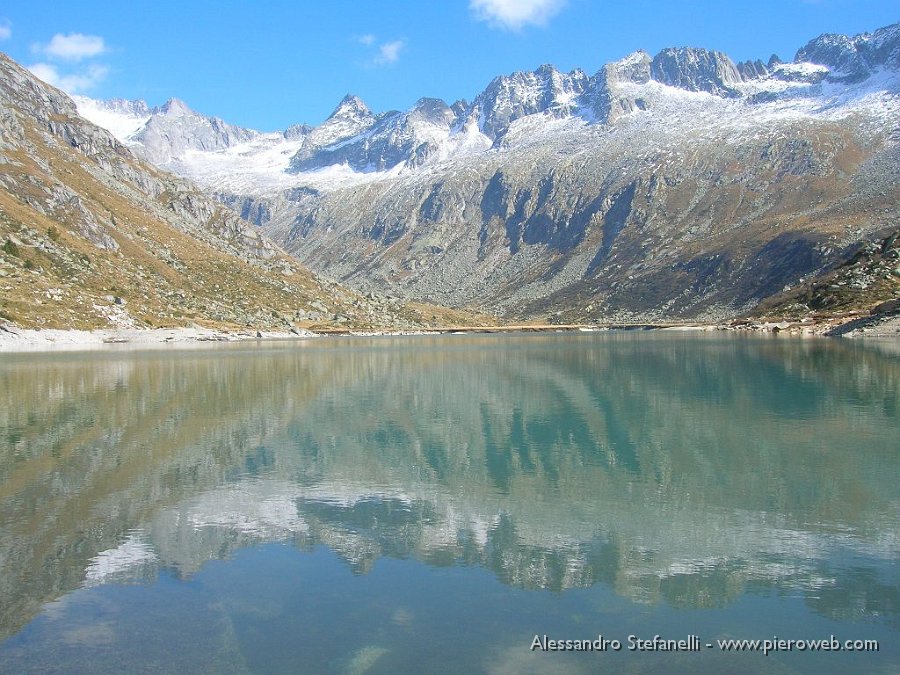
267,65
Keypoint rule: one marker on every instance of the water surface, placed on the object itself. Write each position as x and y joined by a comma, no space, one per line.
396,505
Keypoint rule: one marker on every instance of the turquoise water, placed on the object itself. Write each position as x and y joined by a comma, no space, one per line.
431,504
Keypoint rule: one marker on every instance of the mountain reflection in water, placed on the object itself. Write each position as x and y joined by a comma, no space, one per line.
682,471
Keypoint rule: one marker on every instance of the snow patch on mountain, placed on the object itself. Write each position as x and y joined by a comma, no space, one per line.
120,118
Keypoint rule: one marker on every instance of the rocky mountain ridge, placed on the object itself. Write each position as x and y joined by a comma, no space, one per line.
681,184
832,58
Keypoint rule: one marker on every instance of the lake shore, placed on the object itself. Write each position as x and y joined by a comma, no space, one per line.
15,339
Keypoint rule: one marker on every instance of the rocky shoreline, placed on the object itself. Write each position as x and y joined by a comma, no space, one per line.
14,339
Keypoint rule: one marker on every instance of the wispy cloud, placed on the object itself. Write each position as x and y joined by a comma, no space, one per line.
5,29
380,53
74,82
389,52
72,47
515,14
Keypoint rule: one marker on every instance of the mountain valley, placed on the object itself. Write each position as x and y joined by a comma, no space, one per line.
674,187
680,185
93,237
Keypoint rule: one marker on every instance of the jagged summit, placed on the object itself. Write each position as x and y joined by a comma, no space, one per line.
510,97
174,107
853,59
364,141
350,107
633,68
296,132
137,107
695,69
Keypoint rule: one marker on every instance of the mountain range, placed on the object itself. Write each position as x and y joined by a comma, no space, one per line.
679,185
676,185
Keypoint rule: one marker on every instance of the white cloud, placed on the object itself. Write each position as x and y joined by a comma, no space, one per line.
5,29
65,54
72,47
71,83
514,14
380,54
389,52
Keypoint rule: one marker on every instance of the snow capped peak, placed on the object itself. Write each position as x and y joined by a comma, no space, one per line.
510,97
354,100
853,59
883,36
433,110
355,144
635,57
175,107
633,68
351,118
296,131
137,107
350,107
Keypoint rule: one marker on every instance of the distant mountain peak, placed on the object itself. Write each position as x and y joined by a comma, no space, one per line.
175,107
522,93
351,106
136,107
853,59
654,185
635,67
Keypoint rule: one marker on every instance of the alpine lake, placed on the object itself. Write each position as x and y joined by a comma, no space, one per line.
453,504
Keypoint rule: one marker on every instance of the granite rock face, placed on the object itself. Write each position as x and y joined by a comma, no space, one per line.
353,136
174,128
696,70
134,108
605,95
752,70
511,97
853,59
351,118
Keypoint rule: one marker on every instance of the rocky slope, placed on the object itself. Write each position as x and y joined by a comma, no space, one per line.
674,185
861,295
90,236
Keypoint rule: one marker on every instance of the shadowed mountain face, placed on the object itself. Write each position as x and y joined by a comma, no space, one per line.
674,185
683,472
